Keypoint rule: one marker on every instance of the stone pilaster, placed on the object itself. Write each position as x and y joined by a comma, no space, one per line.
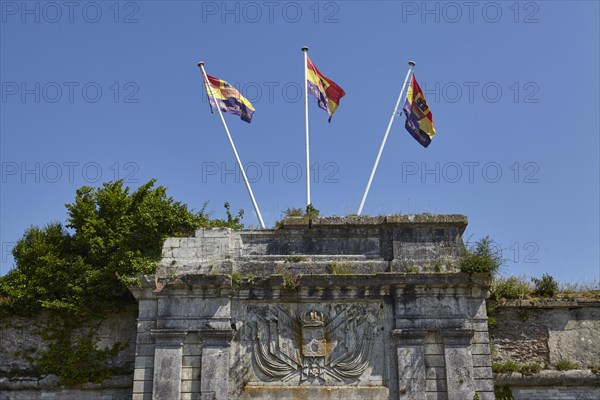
168,352
459,363
144,347
410,347
214,374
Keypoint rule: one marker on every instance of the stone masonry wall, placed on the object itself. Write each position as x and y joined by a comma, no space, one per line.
547,332
17,338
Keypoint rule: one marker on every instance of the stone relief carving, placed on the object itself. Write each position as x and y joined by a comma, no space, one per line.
320,343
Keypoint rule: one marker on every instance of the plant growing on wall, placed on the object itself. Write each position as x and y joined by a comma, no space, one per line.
481,257
546,286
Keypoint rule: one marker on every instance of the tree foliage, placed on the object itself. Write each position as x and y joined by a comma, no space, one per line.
78,272
111,234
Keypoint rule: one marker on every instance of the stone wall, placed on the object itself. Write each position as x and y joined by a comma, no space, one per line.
548,332
18,337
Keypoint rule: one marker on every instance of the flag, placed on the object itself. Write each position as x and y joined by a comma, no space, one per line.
229,99
326,91
419,121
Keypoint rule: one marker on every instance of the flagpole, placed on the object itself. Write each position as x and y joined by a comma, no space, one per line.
237,157
305,50
364,198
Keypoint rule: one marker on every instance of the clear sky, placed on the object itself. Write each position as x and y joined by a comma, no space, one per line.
93,91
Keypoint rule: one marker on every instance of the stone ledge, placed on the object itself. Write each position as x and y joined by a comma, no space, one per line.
549,378
329,280
372,221
47,382
307,392
551,303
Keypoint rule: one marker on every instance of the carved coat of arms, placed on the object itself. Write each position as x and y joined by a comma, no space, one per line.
317,344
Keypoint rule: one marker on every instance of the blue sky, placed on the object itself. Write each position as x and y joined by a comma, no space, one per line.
93,91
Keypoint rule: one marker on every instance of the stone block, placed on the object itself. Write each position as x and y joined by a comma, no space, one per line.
143,374
483,372
167,373
411,372
190,373
144,362
190,386
142,386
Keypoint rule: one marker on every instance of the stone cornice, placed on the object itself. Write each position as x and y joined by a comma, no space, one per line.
456,220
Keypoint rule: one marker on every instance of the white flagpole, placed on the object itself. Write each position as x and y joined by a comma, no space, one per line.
364,198
305,50
237,157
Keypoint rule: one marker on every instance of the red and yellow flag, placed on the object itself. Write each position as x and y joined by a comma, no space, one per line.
229,100
326,91
419,121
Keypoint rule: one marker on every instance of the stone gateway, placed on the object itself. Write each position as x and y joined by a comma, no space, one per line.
352,308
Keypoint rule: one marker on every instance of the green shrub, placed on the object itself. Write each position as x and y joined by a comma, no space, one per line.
510,288
311,212
481,257
530,368
545,287
565,365
507,366
293,212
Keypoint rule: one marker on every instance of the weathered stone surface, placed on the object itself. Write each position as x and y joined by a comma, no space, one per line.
118,388
168,364
548,332
19,338
412,378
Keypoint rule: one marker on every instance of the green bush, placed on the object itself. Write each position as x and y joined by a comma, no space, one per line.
481,257
507,366
545,287
310,212
530,368
510,288
566,365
